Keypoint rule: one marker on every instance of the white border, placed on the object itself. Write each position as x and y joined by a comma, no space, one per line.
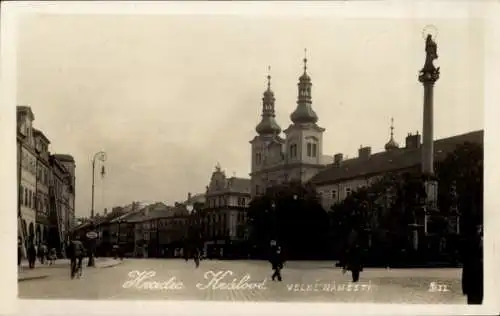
342,9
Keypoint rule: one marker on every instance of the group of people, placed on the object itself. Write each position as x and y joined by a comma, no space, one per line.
34,252
75,251
472,271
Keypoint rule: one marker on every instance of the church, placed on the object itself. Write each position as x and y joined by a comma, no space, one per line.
296,157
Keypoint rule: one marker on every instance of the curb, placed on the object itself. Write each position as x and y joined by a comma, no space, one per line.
38,277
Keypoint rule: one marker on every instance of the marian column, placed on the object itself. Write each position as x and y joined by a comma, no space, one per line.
428,77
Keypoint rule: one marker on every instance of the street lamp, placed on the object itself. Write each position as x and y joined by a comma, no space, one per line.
101,155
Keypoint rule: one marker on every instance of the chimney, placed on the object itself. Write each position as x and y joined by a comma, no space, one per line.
337,159
413,141
364,152
189,196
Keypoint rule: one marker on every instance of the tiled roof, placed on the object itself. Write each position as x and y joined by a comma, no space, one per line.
393,160
239,185
157,210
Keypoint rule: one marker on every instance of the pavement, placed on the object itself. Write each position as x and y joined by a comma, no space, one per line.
60,266
174,279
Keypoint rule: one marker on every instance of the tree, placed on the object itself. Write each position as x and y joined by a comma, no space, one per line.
292,215
462,169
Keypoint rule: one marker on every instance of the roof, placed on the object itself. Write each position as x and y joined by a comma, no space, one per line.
239,185
396,159
197,198
64,157
37,132
153,211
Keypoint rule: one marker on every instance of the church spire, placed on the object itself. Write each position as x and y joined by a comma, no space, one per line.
391,144
268,124
304,112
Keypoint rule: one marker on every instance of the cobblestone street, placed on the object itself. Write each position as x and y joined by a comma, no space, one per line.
302,282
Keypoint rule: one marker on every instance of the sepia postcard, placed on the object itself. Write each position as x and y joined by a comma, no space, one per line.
306,157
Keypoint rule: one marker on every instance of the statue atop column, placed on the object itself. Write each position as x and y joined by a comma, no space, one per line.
429,73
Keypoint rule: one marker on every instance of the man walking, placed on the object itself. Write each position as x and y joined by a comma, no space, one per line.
354,263
472,272
277,263
31,255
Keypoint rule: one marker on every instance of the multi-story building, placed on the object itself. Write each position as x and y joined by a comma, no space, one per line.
343,177
27,173
46,186
298,156
68,189
223,218
42,205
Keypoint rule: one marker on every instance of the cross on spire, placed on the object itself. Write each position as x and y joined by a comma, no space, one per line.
268,77
392,127
305,60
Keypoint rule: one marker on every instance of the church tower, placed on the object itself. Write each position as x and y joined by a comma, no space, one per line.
304,138
267,145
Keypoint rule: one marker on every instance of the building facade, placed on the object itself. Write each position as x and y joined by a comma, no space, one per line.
222,220
296,157
45,184
27,164
42,205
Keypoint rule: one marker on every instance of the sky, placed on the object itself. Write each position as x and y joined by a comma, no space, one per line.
167,97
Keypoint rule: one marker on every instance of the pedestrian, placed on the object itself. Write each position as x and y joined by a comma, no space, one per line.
76,251
277,263
353,261
120,253
31,255
42,253
472,271
197,257
52,256
19,252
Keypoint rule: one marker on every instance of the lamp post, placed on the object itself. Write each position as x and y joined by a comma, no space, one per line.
101,155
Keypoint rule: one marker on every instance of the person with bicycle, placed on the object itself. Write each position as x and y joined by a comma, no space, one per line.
75,252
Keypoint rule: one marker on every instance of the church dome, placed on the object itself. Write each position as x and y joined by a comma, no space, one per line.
304,114
268,125
391,144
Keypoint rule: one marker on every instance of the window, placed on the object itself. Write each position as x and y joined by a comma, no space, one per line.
241,201
334,194
29,198
293,150
348,191
21,195
26,197
257,189
312,149
258,158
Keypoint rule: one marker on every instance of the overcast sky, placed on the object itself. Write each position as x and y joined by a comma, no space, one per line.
167,97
